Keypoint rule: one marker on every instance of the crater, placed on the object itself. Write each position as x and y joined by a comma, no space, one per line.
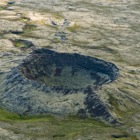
54,83
67,71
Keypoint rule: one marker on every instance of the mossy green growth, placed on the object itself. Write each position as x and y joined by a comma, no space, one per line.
28,30
29,27
24,19
5,115
73,28
18,44
56,40
2,7
65,128
113,102
73,126
57,15
8,116
12,117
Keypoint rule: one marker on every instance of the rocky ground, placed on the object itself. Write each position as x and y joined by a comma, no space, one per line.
105,29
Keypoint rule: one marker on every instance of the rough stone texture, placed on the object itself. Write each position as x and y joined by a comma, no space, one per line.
11,26
106,29
48,82
45,62
9,46
9,135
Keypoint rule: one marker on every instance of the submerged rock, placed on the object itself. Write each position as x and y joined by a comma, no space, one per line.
48,82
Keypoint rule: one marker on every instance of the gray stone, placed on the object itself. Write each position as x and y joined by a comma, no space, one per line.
48,82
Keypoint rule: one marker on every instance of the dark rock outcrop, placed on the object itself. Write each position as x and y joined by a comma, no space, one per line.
48,63
48,82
